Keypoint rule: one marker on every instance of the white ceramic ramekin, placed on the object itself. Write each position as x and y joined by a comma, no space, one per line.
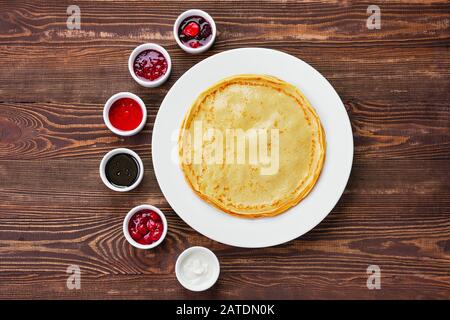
144,82
205,286
110,102
189,13
127,220
108,156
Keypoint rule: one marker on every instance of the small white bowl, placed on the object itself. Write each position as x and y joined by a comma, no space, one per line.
189,13
110,102
144,82
112,153
215,265
127,220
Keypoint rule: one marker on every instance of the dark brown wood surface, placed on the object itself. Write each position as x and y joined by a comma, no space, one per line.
55,211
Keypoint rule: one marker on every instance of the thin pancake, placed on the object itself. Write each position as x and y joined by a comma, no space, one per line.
251,102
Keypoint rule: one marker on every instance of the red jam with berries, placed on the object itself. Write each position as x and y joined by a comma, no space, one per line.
194,31
125,114
150,65
146,227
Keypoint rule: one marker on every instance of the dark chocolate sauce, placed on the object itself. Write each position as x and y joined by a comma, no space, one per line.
122,170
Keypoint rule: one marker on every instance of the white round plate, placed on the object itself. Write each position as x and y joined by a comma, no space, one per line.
261,232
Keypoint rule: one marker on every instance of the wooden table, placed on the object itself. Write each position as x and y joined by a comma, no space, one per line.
55,211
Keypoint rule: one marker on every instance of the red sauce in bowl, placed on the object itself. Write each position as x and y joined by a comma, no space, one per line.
146,227
125,114
150,65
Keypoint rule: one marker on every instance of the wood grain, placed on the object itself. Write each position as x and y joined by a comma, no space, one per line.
54,210
406,130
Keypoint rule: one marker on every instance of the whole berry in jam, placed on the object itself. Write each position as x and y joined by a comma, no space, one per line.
148,239
191,29
151,225
135,234
154,216
206,31
156,235
142,229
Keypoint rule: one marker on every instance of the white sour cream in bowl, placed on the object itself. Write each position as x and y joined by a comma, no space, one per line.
197,268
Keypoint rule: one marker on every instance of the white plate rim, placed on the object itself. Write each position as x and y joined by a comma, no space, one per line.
189,201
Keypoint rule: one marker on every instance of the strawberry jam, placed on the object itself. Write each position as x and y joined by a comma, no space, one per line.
150,65
194,31
146,227
125,114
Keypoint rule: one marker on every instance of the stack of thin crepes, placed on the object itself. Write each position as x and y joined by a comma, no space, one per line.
236,183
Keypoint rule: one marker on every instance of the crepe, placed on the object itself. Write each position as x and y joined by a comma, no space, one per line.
241,108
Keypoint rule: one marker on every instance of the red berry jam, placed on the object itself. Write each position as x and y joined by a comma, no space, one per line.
146,227
150,65
125,114
194,31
